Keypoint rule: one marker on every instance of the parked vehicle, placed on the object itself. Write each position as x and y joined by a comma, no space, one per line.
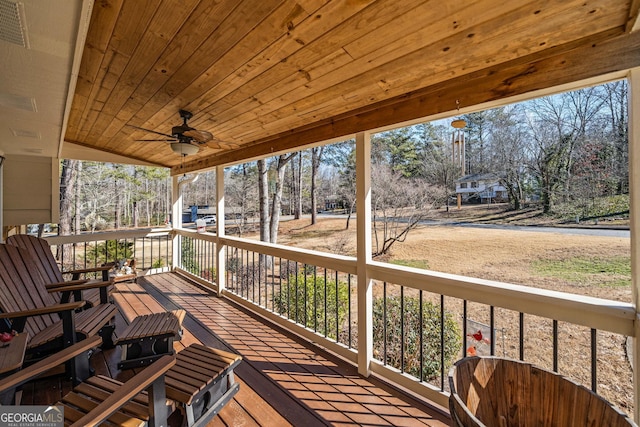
209,219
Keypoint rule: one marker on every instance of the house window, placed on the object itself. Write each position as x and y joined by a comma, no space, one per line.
474,184
463,185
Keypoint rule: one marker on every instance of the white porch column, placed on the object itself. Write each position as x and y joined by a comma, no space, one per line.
221,250
363,221
634,195
176,219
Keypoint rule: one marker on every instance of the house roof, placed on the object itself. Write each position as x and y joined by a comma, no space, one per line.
479,177
271,75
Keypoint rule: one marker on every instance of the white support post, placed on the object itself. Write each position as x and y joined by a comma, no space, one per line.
176,219
363,221
221,250
634,195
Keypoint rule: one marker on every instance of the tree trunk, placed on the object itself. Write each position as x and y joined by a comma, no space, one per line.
118,205
298,185
263,197
68,180
546,198
147,203
276,204
135,214
351,206
77,227
316,157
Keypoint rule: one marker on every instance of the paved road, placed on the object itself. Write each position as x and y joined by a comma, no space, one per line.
585,231
588,231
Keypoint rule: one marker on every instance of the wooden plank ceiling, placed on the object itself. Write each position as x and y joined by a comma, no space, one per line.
268,75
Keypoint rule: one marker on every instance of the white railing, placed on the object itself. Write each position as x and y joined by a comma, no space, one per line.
511,311
254,277
151,247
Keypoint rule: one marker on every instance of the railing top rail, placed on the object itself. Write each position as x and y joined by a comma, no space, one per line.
341,263
598,313
207,236
108,235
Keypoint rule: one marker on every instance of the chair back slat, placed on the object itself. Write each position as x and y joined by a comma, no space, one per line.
39,249
23,288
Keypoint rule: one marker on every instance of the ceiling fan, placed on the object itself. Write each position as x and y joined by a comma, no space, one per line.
186,140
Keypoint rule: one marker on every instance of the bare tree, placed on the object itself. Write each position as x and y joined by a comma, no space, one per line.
615,96
296,181
346,164
509,140
280,166
270,217
316,158
398,204
558,126
437,167
240,191
68,181
263,199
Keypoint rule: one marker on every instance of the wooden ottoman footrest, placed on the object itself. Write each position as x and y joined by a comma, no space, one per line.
149,337
202,382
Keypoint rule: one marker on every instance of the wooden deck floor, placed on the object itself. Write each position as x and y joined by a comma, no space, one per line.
283,380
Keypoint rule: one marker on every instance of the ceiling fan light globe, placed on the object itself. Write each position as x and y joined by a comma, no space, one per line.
183,148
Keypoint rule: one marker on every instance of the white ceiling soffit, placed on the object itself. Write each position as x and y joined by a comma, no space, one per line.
38,45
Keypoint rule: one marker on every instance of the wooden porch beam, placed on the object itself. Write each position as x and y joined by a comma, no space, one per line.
633,23
562,65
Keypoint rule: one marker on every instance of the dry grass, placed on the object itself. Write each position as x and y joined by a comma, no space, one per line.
508,256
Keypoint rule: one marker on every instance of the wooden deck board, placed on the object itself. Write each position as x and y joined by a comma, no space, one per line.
309,381
282,380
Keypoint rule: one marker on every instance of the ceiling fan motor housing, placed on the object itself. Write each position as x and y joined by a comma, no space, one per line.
177,131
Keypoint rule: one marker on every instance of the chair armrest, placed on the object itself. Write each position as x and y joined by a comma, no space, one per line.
90,269
80,286
57,308
52,286
127,391
48,363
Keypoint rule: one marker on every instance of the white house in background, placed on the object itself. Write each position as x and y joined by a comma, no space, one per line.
480,187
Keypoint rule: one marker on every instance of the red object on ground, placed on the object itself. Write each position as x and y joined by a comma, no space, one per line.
471,350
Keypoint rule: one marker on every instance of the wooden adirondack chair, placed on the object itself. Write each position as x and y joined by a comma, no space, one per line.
27,305
40,251
100,399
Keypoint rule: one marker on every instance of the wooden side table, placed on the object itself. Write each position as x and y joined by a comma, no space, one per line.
11,359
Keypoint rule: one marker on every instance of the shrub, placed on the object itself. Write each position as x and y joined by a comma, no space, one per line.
409,317
292,268
209,274
109,251
313,302
188,254
248,275
233,264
